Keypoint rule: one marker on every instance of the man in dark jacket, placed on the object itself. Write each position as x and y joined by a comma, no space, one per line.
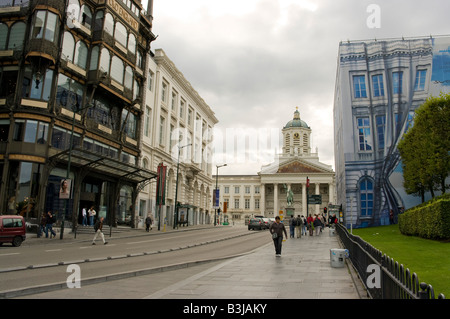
276,229
98,230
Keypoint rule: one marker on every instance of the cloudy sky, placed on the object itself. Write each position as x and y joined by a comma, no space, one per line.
255,61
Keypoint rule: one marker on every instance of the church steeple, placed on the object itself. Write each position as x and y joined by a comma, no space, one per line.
296,137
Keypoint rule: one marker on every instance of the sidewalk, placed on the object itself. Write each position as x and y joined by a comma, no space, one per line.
302,272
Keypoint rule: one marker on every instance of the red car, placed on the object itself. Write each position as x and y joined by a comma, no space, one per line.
12,229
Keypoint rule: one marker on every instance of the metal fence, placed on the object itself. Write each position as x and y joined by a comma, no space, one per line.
382,276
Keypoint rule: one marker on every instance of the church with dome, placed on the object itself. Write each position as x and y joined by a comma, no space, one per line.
282,187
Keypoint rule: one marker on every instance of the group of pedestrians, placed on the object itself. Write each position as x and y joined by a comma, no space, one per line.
298,226
46,225
90,213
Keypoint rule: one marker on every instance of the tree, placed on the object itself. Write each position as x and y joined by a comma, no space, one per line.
425,148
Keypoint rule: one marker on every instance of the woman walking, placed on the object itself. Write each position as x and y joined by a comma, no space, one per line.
276,229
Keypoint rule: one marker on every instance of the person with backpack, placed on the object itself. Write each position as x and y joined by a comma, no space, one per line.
98,230
298,226
292,225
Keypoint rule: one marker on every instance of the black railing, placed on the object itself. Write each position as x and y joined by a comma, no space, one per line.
382,276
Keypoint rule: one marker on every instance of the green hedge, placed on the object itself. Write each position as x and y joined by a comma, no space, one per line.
430,220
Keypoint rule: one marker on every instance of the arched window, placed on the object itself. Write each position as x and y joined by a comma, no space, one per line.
94,58
68,45
98,22
109,24
45,26
16,36
85,16
117,69
136,90
104,61
128,77
366,197
120,34
81,53
3,35
132,43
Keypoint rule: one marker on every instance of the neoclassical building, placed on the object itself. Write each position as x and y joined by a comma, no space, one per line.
266,193
176,118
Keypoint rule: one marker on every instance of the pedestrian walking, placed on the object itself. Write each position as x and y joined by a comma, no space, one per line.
304,225
84,214
49,220
92,214
98,231
42,225
309,222
148,223
298,226
317,225
292,225
276,229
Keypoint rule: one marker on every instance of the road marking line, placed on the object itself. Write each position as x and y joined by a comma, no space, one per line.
52,250
9,254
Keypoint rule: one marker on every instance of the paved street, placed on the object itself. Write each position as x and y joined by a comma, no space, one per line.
302,272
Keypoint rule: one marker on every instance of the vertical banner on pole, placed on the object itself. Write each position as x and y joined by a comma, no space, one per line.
160,190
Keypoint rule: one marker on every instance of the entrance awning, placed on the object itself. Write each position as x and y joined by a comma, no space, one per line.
106,165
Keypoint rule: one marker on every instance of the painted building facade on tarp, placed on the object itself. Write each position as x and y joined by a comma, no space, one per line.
379,85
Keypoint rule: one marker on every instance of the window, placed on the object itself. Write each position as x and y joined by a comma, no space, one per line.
120,34
37,85
3,36
366,197
61,138
174,100
105,60
256,203
257,190
378,87
421,76
109,24
129,123
150,80
227,190
68,45
397,80
236,203
81,53
45,26
117,69
4,130
128,78
8,82
147,121
247,203
132,43
236,189
69,93
94,58
381,128
164,92
85,16
359,86
30,131
162,124
98,22
16,36
364,134
247,189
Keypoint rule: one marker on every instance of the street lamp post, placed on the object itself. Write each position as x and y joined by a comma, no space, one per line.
175,209
217,199
68,168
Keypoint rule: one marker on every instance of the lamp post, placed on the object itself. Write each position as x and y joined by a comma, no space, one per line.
175,209
217,193
68,168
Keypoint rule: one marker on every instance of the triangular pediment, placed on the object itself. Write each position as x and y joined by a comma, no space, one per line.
297,167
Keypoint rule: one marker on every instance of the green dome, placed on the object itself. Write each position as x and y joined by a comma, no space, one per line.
296,122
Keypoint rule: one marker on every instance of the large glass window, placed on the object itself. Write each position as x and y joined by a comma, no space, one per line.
94,58
381,127
61,138
30,131
120,34
130,123
359,86
366,197
37,85
364,136
128,78
98,22
132,43
4,130
378,87
85,16
16,36
3,35
104,60
67,48
45,26
421,76
117,69
81,54
109,24
397,80
69,93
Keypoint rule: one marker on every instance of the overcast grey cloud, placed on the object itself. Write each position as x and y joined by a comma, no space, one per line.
255,61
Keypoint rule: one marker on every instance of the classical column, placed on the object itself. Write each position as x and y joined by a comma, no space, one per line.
262,200
304,200
331,194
